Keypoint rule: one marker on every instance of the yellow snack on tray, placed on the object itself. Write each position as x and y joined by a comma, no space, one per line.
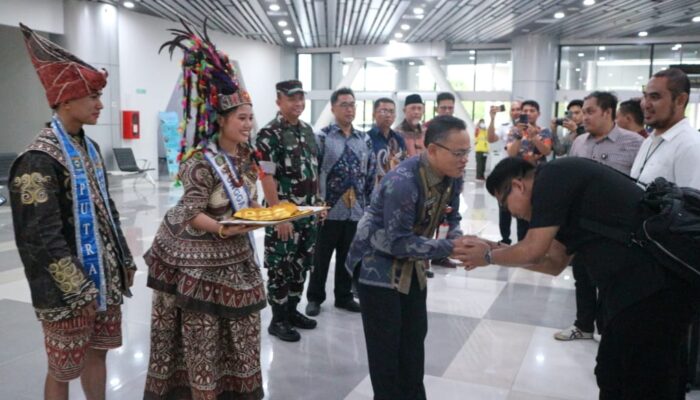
279,212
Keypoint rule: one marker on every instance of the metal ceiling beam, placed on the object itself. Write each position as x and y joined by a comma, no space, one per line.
335,23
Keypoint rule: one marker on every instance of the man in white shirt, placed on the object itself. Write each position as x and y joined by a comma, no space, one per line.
672,151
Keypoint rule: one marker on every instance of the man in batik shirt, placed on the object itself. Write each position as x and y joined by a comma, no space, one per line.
389,146
288,158
347,175
67,227
394,242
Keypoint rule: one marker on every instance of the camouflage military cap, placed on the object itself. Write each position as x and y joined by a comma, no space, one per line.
290,87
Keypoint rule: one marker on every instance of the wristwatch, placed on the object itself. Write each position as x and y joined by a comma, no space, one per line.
487,257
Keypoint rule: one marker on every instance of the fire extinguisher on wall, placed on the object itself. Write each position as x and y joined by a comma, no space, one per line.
131,127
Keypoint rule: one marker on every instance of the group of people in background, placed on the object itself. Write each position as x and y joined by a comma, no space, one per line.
393,197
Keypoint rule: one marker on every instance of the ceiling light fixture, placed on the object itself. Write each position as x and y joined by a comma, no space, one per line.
643,34
696,19
581,54
398,35
601,48
411,63
472,58
588,2
559,15
129,4
601,58
472,51
274,7
290,39
418,11
287,32
282,23
405,27
578,69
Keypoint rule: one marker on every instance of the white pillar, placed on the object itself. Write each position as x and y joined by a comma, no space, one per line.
444,85
326,116
534,72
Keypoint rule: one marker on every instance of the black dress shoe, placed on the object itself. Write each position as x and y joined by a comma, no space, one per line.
299,320
350,305
429,273
313,309
284,331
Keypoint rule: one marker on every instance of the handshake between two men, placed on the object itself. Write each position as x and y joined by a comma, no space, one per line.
472,251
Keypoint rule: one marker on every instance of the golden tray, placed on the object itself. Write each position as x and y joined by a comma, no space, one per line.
304,212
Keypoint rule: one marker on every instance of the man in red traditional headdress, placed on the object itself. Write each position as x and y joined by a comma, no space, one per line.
67,227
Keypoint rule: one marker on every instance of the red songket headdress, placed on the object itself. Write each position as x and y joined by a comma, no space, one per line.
64,76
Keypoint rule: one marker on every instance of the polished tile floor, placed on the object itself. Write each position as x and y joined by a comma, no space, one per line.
490,330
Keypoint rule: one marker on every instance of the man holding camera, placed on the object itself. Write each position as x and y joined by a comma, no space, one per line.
572,122
615,147
530,142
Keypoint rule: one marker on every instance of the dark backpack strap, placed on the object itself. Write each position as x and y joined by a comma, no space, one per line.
617,234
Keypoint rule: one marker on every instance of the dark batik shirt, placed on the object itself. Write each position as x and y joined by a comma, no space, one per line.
346,162
387,150
386,234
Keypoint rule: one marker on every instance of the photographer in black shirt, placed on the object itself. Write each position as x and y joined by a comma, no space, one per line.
644,310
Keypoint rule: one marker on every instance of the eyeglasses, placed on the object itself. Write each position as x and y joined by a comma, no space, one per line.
456,153
386,112
504,197
346,105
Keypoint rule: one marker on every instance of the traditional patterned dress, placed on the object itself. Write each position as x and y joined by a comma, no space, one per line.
208,291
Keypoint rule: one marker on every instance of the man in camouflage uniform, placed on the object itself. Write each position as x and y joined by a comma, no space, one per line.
288,158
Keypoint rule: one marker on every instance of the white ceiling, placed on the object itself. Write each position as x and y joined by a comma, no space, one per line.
333,23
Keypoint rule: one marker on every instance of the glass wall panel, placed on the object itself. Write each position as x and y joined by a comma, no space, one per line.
493,70
481,70
304,69
461,68
618,67
418,77
665,55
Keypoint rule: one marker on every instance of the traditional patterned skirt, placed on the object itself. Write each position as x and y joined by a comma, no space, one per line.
205,320
201,356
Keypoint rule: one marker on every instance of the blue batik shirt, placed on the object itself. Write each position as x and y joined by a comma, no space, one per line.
386,233
388,150
345,162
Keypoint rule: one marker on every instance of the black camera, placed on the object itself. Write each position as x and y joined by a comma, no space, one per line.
523,119
560,121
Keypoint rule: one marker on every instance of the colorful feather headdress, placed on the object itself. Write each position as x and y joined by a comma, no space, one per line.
209,84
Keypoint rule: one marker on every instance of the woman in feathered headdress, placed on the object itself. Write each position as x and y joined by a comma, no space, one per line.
208,290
